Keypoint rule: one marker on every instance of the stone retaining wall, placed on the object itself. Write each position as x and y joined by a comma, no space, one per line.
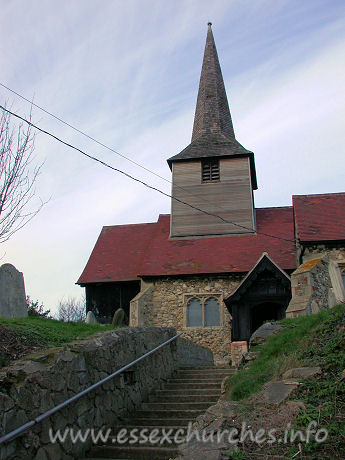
32,386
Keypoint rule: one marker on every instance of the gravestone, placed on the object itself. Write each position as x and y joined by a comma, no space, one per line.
12,293
90,318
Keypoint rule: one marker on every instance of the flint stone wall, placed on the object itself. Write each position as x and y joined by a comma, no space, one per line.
335,253
12,293
30,387
163,302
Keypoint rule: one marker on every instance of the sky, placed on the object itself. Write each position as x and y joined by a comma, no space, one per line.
127,74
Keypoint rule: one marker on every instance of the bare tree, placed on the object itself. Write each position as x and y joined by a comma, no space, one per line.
17,176
72,309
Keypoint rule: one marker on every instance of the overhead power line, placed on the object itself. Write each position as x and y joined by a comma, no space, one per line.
83,133
91,157
216,205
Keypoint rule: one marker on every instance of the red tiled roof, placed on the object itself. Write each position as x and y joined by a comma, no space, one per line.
118,253
124,252
320,217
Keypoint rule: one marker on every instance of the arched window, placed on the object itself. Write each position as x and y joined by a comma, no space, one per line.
194,313
212,314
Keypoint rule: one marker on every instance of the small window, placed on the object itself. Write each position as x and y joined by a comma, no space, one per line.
194,313
212,317
210,170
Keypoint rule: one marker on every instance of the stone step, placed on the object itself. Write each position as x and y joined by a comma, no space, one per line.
149,437
204,374
115,431
136,440
189,392
205,368
157,432
184,397
192,375
145,453
179,413
192,386
157,422
166,406
196,380
172,398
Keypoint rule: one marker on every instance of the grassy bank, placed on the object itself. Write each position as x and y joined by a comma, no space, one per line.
316,340
280,353
22,335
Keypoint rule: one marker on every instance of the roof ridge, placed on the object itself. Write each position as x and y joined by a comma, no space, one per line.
320,194
275,207
129,225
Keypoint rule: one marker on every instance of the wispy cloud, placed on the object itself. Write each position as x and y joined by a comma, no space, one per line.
127,73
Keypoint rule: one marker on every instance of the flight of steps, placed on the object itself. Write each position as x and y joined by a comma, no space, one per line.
188,394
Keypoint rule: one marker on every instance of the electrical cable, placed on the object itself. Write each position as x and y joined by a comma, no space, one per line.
91,157
106,146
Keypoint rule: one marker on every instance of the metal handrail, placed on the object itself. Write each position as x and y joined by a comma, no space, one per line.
13,434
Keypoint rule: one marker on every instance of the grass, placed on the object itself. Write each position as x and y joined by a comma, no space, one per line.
305,341
324,396
290,348
20,335
52,331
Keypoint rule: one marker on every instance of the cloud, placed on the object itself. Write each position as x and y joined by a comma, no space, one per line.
127,73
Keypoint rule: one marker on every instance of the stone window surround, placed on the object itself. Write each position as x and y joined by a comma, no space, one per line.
203,296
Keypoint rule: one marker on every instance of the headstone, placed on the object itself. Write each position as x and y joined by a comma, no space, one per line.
90,318
12,293
118,318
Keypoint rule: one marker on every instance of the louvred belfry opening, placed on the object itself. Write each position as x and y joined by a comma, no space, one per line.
210,170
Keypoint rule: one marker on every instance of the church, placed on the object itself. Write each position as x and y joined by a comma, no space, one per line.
217,267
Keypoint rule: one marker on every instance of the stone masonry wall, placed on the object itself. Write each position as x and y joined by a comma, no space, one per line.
32,386
168,309
335,252
310,285
141,307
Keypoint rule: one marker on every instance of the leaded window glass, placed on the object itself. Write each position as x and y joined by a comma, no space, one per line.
194,313
212,316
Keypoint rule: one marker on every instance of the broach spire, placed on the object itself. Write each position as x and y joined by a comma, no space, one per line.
212,114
